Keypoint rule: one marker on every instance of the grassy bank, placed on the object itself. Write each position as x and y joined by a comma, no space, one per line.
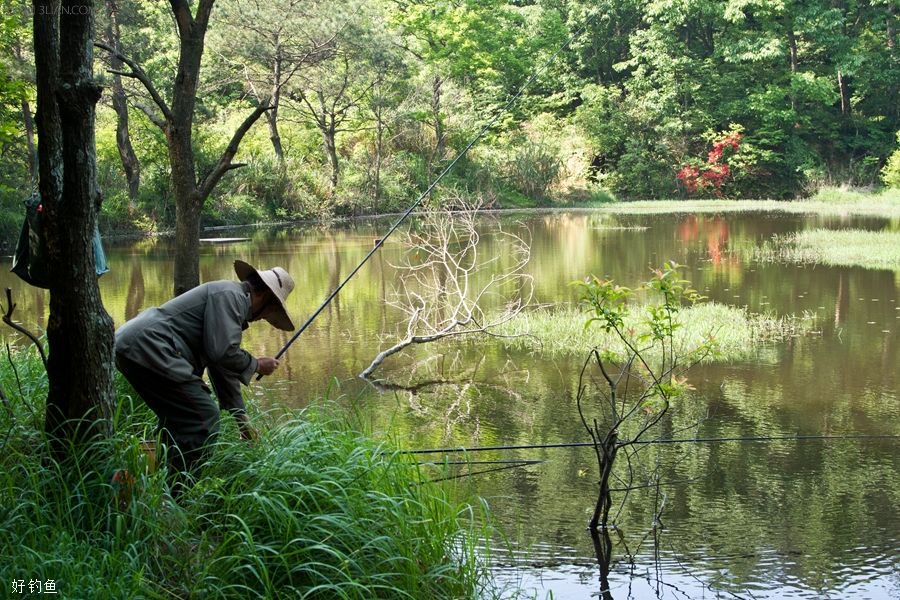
736,333
835,247
313,510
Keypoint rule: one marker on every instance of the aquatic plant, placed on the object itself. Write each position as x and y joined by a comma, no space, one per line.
834,247
738,334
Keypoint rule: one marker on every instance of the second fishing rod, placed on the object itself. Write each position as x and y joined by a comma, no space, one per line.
380,241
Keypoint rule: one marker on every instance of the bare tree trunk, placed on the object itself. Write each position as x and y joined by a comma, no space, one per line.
845,93
129,159
329,134
28,121
79,331
792,50
29,139
891,31
438,122
274,134
607,453
272,115
378,112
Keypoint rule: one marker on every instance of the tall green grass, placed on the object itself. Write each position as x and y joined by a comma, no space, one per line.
313,509
736,334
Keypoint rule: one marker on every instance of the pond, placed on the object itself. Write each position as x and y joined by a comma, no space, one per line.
808,518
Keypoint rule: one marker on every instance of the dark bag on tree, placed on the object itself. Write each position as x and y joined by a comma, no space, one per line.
30,260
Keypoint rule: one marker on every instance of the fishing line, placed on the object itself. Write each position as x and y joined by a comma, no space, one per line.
462,475
481,462
787,438
380,241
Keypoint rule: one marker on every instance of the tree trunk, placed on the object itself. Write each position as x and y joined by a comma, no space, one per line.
272,115
845,93
79,331
378,112
179,133
608,450
792,51
28,121
129,159
274,135
188,205
891,30
329,142
438,123
29,140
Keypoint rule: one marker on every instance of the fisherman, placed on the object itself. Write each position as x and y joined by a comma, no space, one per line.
164,350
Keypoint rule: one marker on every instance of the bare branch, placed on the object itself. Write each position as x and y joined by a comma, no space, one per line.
138,73
151,114
224,163
7,318
441,287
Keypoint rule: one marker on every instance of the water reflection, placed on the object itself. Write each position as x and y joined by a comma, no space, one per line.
785,519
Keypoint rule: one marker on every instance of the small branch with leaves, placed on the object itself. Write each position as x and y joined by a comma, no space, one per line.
634,391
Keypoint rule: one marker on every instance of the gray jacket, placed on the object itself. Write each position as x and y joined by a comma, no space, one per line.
199,329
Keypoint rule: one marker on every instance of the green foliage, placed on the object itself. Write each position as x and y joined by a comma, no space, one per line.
313,510
890,174
638,388
639,92
607,301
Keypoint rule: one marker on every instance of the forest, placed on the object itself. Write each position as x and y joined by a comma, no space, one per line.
306,109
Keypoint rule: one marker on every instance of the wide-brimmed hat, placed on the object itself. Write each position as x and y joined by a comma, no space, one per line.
280,283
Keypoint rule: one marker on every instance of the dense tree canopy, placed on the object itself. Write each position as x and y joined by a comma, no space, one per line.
370,99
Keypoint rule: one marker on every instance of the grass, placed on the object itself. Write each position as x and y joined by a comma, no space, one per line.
314,509
835,247
828,201
736,333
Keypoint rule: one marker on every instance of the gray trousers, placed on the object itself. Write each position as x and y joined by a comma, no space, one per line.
188,416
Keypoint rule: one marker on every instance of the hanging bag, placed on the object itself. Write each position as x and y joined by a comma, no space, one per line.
30,260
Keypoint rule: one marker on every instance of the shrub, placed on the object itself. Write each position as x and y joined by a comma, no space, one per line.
890,174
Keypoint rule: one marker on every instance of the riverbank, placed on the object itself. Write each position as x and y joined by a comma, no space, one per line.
313,509
829,201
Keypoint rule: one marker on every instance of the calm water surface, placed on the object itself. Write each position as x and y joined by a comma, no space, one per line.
782,519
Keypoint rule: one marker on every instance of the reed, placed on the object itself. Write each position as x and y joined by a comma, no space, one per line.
736,333
314,509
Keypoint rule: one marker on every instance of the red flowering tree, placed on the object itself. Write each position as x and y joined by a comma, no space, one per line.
703,178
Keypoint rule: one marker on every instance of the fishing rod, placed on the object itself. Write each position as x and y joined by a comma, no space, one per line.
380,241
788,438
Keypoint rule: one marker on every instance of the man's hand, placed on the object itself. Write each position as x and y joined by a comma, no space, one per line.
266,365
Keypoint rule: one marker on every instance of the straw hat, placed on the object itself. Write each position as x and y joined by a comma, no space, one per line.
280,283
